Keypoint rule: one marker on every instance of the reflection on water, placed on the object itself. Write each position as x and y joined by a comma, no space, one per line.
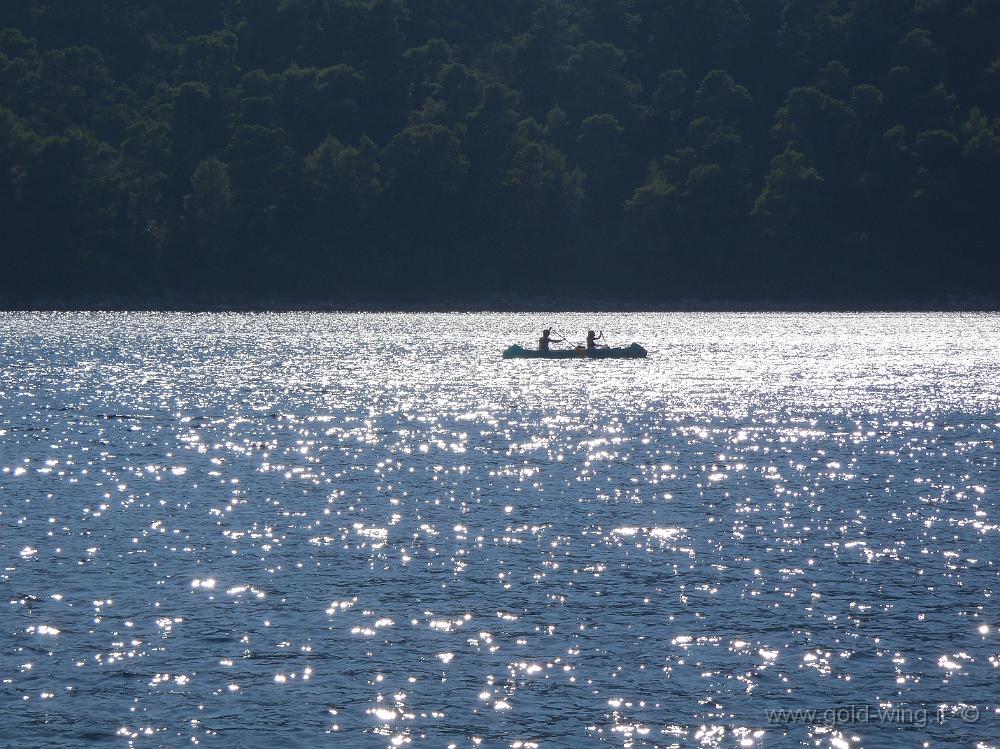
287,530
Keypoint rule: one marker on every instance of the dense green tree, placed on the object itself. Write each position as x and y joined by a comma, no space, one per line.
791,202
425,177
74,208
345,186
208,223
18,152
842,150
211,197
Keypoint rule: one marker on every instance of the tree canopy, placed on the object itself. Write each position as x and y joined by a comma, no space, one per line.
841,152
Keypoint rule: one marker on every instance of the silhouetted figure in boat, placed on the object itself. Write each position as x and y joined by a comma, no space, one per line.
592,340
546,339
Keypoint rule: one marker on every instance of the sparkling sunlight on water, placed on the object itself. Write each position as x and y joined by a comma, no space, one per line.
309,530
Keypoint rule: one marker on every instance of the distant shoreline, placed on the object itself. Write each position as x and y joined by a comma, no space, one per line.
498,304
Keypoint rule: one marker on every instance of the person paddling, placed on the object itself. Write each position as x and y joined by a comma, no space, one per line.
592,340
546,339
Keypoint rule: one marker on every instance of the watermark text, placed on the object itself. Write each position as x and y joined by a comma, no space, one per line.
919,717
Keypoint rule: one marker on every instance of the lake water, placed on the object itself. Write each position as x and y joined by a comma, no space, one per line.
369,530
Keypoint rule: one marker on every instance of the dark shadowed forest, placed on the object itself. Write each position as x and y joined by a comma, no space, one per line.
840,151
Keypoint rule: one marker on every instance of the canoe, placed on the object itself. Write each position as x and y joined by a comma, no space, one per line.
635,351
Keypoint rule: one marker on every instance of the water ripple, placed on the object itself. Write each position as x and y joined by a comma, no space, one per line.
282,530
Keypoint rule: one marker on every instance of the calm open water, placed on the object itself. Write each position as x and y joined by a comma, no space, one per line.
369,530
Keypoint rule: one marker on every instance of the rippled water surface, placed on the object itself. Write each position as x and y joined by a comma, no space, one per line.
304,530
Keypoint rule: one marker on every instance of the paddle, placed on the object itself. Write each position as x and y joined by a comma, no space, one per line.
565,338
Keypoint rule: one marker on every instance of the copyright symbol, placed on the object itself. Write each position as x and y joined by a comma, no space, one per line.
969,713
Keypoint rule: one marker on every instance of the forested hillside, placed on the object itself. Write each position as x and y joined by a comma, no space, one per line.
833,150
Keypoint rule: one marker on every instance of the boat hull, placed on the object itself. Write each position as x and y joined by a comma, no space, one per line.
635,351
